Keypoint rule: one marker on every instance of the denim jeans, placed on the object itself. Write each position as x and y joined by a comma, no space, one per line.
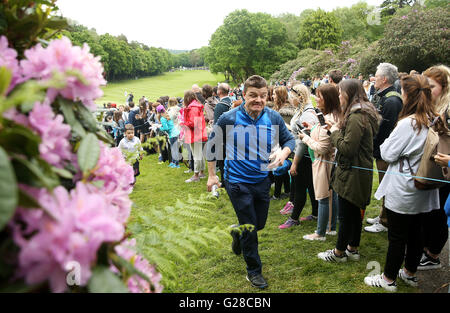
324,214
175,150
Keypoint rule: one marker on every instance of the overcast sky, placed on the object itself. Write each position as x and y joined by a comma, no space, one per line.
177,24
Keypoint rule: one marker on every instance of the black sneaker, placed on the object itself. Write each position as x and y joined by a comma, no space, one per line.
428,263
257,281
236,244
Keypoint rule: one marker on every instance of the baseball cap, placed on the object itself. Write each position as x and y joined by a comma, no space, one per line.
160,108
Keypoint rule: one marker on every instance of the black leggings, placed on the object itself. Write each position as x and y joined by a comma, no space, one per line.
279,182
350,224
304,181
402,233
434,225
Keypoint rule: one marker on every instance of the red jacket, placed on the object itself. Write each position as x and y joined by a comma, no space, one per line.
194,122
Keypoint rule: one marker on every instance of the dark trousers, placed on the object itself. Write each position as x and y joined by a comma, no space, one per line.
434,225
281,180
350,224
402,233
251,204
382,166
303,183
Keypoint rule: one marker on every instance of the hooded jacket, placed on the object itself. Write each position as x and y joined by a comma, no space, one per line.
194,122
354,144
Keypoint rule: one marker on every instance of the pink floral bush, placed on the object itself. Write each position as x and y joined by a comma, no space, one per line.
61,56
69,225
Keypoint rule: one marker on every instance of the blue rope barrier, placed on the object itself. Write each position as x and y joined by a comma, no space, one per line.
386,172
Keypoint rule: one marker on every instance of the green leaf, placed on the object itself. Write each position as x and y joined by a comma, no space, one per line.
98,183
130,269
88,153
5,80
69,115
24,95
19,139
86,117
62,172
35,173
105,137
105,281
8,189
26,201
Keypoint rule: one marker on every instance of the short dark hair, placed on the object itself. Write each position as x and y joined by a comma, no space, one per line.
336,76
255,81
207,91
129,127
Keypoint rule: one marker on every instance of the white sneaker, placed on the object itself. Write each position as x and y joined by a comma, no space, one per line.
410,280
329,256
375,220
314,237
378,281
352,255
375,228
331,233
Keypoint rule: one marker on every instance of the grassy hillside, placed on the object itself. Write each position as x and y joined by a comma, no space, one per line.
167,84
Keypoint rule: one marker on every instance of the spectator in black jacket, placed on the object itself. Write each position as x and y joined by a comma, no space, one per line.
224,104
222,107
389,104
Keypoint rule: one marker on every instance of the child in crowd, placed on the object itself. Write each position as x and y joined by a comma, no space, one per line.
119,127
281,177
131,145
169,128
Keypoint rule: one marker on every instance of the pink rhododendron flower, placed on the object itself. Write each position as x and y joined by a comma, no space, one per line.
136,284
61,56
8,59
55,147
117,176
72,228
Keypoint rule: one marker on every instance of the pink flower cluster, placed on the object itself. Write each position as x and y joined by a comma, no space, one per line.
61,56
55,147
296,73
8,59
117,176
136,284
71,227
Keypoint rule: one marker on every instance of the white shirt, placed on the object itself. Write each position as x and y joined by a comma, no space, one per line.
401,196
130,146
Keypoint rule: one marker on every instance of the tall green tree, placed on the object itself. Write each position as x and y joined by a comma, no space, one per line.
249,43
320,30
418,39
356,23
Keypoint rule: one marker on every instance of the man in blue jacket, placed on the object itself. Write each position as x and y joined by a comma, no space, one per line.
249,133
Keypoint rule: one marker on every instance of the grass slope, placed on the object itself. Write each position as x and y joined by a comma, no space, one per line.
290,264
167,84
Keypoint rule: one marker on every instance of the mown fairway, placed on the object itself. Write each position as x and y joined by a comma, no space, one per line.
168,84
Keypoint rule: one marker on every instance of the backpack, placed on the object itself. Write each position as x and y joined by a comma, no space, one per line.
428,168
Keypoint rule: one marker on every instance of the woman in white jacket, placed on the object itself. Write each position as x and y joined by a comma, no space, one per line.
405,204
322,154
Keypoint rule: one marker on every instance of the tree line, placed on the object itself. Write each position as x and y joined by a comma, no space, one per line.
123,59
409,33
